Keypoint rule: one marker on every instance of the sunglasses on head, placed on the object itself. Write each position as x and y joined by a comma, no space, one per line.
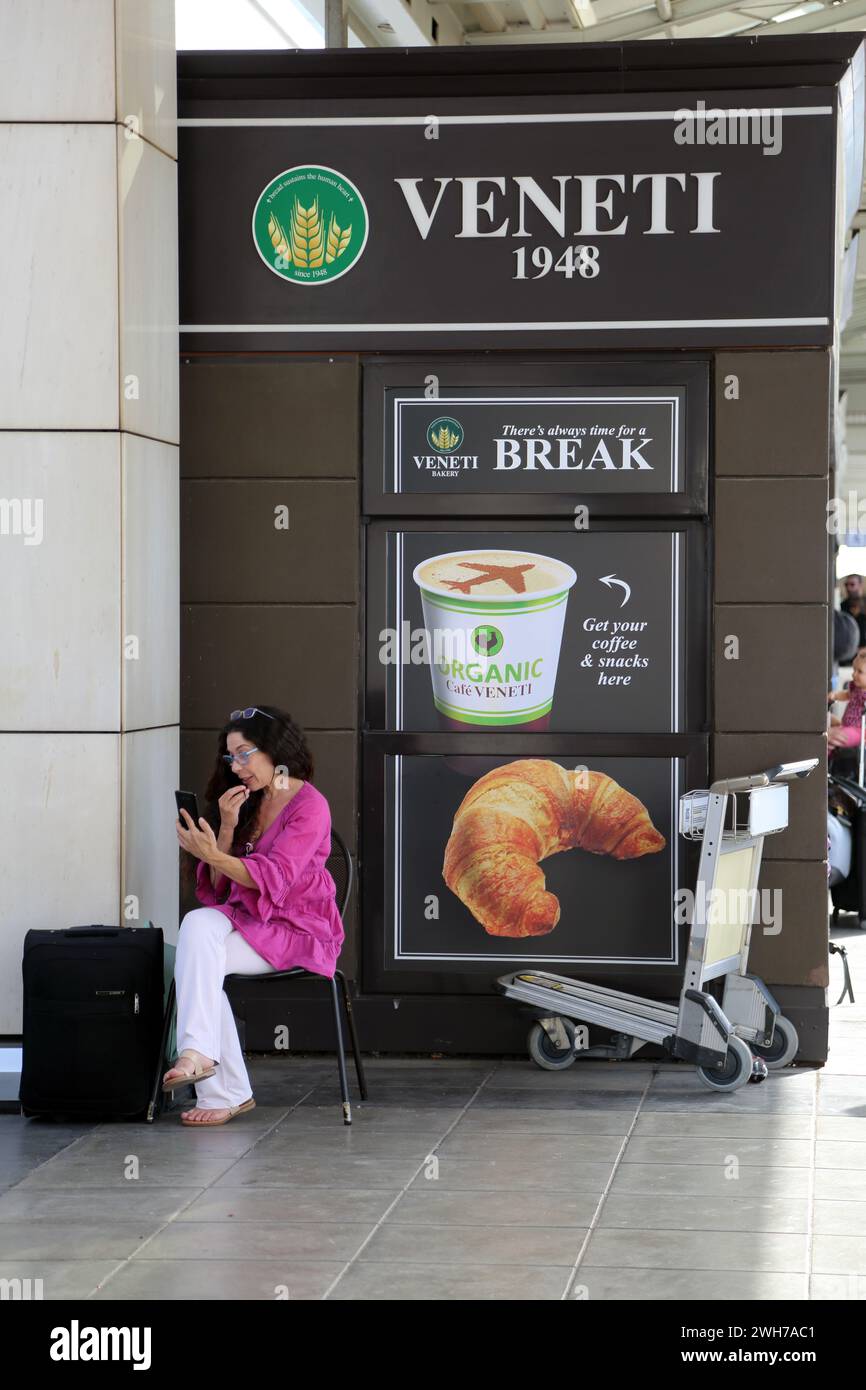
248,713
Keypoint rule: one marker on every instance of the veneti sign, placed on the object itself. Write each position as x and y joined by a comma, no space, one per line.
567,221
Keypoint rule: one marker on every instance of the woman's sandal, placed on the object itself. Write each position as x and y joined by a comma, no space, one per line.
234,1110
188,1078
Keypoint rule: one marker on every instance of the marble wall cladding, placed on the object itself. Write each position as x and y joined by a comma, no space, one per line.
147,71
68,874
88,515
150,590
69,48
60,581
149,763
58,277
147,210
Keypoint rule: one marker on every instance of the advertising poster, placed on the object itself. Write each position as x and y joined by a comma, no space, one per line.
554,859
460,437
528,631
592,441
561,219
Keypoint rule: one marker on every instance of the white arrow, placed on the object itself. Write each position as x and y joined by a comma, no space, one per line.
610,579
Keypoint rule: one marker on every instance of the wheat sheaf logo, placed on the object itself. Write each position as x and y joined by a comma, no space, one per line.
444,434
310,224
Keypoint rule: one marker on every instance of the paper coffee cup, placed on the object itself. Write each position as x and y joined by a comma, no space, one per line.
494,621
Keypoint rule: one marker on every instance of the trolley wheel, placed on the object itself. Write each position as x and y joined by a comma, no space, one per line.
543,1052
733,1072
783,1049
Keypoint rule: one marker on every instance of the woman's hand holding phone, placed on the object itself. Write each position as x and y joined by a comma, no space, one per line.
199,839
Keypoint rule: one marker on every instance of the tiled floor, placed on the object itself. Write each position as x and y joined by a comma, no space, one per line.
463,1179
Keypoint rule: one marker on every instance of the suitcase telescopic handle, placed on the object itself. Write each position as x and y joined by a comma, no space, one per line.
93,931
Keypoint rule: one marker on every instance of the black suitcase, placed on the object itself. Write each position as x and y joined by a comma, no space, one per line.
93,1022
849,895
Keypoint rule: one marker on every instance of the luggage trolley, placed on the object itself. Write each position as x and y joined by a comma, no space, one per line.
718,1038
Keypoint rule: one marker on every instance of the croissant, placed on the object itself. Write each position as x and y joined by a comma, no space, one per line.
520,813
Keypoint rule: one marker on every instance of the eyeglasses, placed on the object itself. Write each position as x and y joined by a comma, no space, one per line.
248,713
239,757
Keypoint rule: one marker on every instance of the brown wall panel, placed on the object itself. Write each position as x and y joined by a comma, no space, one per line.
284,417
272,615
233,553
771,542
735,755
798,954
780,423
779,678
303,659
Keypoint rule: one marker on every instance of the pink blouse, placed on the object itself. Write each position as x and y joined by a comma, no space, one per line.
290,917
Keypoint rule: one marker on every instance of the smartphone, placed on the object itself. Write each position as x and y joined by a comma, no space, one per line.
187,801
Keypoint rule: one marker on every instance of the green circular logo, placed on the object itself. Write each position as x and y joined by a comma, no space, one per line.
310,224
487,640
445,434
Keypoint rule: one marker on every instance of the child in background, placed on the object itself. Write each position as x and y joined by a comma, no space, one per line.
845,733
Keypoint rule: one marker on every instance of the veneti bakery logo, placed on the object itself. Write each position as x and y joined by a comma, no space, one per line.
310,224
445,434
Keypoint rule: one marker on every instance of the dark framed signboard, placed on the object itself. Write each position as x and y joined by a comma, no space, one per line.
565,854
459,436
535,692
405,222
527,627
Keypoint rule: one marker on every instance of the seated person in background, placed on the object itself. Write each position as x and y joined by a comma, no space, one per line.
845,733
855,607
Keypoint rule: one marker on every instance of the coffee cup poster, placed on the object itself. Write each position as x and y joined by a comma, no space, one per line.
536,858
531,631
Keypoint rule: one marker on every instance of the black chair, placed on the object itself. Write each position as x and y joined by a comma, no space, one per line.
339,863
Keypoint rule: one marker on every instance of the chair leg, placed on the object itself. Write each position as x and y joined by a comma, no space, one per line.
156,1100
353,1035
341,1056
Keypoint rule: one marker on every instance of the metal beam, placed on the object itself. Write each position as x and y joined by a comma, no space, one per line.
492,21
833,17
534,13
644,22
581,14
362,29
336,34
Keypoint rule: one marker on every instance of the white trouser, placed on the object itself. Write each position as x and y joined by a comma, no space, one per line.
208,949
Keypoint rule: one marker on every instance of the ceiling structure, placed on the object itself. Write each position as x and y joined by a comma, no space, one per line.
593,21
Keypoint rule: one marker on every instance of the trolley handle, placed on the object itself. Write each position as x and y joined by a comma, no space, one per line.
732,785
782,772
786,772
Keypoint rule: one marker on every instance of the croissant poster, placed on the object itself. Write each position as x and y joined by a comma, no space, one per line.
530,631
552,859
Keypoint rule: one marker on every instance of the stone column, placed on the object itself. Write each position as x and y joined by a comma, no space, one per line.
88,470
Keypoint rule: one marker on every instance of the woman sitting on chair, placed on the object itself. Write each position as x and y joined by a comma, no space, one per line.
269,901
